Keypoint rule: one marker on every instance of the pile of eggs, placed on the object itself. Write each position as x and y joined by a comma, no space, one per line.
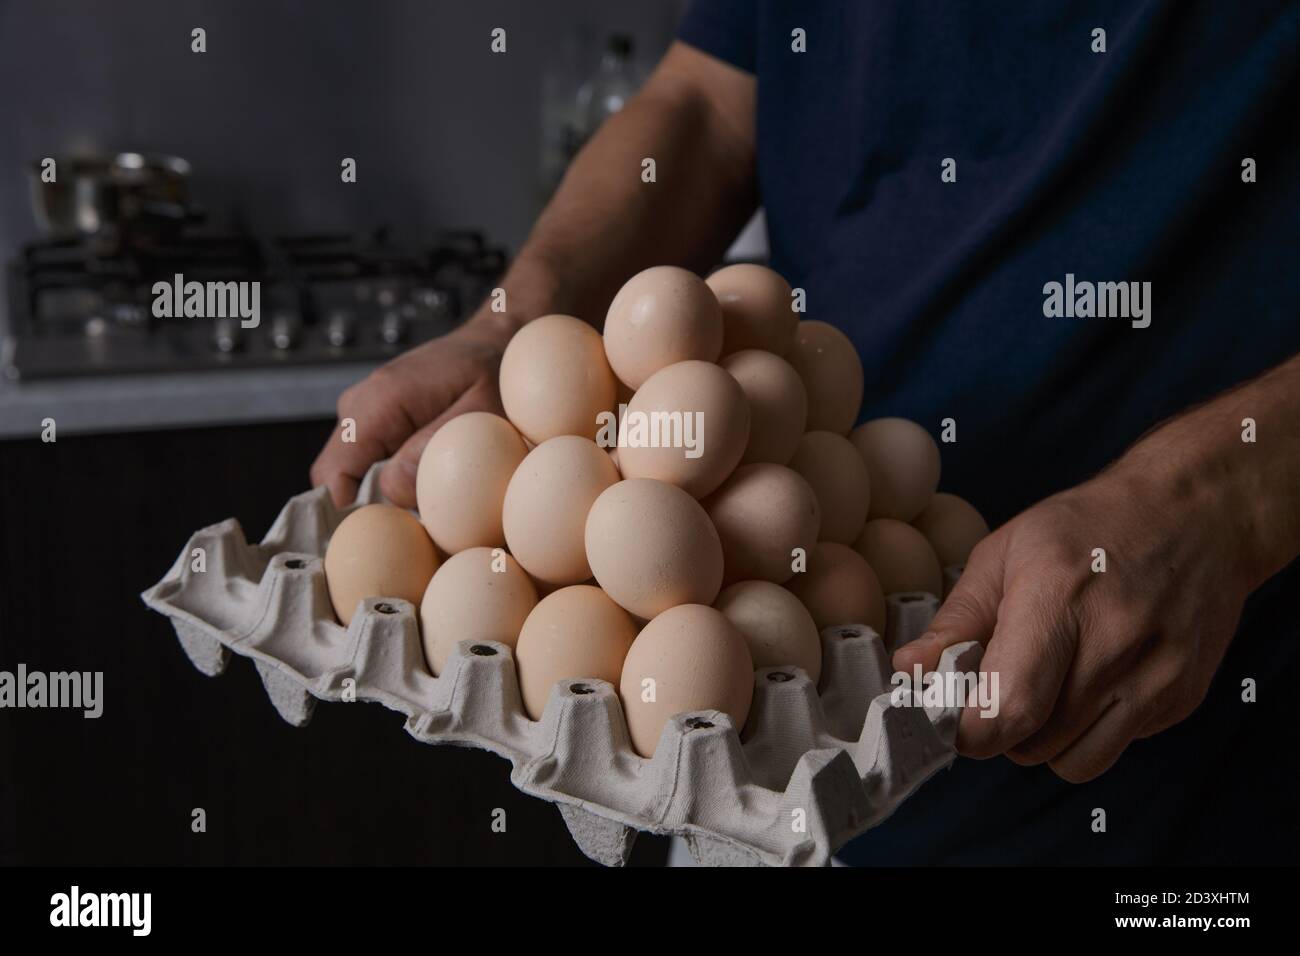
671,568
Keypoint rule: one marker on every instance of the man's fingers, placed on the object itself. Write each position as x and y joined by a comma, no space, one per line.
343,489
1087,692
340,466
1161,689
373,417
1030,653
1070,719
1101,744
397,479
1171,683
969,613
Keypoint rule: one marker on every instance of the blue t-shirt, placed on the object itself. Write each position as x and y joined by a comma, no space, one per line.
928,169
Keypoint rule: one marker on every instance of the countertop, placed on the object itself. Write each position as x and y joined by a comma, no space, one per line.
120,403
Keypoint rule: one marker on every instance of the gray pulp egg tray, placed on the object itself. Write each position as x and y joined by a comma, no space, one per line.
810,771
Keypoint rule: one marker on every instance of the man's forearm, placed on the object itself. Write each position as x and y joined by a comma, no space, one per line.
1201,459
694,118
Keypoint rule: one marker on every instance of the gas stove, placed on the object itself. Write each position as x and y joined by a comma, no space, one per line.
85,306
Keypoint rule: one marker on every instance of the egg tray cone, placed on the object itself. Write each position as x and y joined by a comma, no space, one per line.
811,770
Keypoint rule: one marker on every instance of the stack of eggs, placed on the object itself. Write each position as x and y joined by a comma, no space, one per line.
665,507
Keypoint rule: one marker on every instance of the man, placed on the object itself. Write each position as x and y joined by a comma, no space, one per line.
945,181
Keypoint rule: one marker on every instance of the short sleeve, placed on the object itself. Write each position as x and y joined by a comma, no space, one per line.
725,29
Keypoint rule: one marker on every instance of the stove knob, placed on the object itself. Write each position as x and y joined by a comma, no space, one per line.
285,331
227,336
127,313
435,300
392,327
340,328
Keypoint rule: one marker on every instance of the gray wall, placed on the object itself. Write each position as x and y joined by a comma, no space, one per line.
445,133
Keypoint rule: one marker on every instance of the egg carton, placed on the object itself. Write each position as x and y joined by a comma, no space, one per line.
811,770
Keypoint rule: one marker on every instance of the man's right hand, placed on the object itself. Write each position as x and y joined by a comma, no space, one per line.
399,406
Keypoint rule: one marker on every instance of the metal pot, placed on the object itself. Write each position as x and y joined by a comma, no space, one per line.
126,192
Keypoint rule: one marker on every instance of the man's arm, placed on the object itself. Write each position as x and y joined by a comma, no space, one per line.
1192,519
695,119
1202,461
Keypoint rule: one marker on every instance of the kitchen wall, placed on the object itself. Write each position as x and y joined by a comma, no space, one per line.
445,133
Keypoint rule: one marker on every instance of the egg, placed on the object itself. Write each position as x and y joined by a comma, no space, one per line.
660,317
546,505
651,547
576,632
901,557
839,587
777,627
461,480
832,373
480,594
762,514
555,380
757,309
952,526
688,658
687,425
377,551
904,464
839,477
778,404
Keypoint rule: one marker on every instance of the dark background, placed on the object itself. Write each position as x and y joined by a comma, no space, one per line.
91,521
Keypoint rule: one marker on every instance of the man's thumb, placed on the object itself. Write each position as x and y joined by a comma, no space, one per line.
969,613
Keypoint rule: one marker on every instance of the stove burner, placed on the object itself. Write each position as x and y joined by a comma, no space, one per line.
85,306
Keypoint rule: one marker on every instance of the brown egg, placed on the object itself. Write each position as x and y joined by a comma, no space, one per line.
577,632
660,317
904,464
839,587
480,594
687,425
652,547
777,627
462,478
778,404
555,380
377,551
952,526
839,478
757,310
546,505
688,658
763,512
901,557
832,373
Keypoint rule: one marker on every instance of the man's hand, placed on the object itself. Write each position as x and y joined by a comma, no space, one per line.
1191,520
400,405
1088,661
